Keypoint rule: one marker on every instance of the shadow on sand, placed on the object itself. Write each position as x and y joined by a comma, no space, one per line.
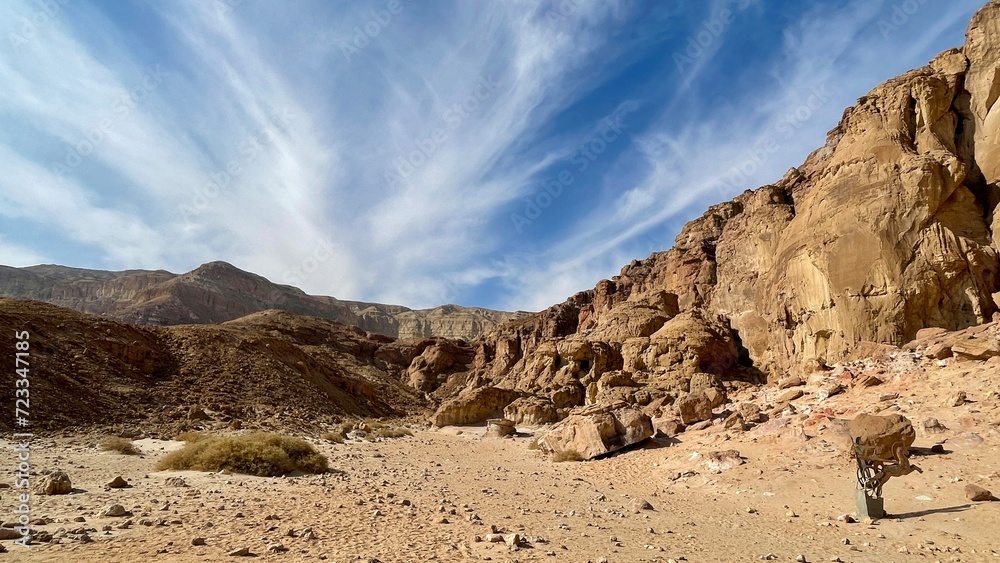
919,513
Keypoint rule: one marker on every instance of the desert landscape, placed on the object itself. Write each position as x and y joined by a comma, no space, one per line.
695,407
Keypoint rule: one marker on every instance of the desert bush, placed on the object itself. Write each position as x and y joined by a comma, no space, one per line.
261,453
119,445
337,436
190,436
385,431
566,455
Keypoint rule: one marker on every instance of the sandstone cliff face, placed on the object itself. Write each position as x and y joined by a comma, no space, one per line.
217,292
891,227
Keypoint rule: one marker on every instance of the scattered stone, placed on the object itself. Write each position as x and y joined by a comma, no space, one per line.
9,534
977,493
499,428
197,413
641,504
55,483
112,510
829,390
198,541
871,381
788,396
241,552
118,483
956,400
175,482
276,548
847,518
934,426
789,382
694,407
719,461
800,558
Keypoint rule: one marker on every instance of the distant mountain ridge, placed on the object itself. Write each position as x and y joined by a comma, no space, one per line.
217,292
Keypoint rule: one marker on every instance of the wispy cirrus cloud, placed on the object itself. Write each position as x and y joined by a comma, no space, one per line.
262,134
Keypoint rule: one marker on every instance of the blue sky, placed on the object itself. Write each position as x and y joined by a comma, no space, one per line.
497,154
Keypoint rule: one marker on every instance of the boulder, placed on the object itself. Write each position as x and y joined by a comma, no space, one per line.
475,405
531,411
749,411
694,407
976,493
596,430
499,428
883,437
55,483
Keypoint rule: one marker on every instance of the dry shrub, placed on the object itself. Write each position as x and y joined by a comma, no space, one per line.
384,431
119,445
566,455
337,436
190,436
261,453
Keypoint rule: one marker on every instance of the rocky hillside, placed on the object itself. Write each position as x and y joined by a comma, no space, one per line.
891,227
219,292
268,369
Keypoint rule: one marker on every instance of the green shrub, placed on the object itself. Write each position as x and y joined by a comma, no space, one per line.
119,445
261,453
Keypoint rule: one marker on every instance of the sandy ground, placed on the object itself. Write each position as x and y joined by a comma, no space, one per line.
428,497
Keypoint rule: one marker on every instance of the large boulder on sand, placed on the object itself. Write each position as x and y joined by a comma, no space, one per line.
694,407
882,437
596,430
475,405
55,483
531,411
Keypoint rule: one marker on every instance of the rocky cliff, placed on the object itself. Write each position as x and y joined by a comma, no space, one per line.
270,369
218,292
889,228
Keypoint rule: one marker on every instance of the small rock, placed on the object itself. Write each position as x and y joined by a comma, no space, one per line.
789,382
641,504
118,483
113,510
800,558
934,426
9,534
241,552
175,482
956,400
198,541
977,493
276,548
